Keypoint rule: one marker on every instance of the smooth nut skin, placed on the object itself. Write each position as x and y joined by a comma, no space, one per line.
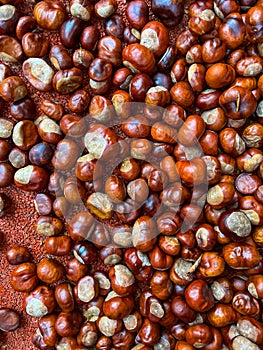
23,109
199,296
253,20
238,103
182,94
191,131
6,175
137,13
64,297
115,26
5,148
53,110
58,246
49,14
222,315
149,333
50,270
24,277
17,254
89,38
65,155
218,70
241,255
47,329
232,30
117,307
169,12
35,45
31,178
9,320
10,49
84,252
41,154
182,310
13,89
81,226
138,58
68,323
75,270
24,25
109,48
245,304
60,57
198,335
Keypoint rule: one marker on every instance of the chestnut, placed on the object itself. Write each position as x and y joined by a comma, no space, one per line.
122,280
47,329
80,226
53,110
23,109
198,335
161,38
50,270
67,80
115,26
81,9
24,25
41,154
60,57
169,12
241,255
75,270
109,48
66,154
58,246
11,49
105,8
109,327
89,38
38,73
182,94
68,323
9,319
64,297
5,148
24,277
6,175
17,254
31,178
49,14
35,45
138,58
222,315
13,89
137,13
86,289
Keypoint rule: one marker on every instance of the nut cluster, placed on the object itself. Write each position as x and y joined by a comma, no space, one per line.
178,224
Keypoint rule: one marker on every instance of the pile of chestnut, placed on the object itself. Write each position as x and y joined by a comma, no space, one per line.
177,225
